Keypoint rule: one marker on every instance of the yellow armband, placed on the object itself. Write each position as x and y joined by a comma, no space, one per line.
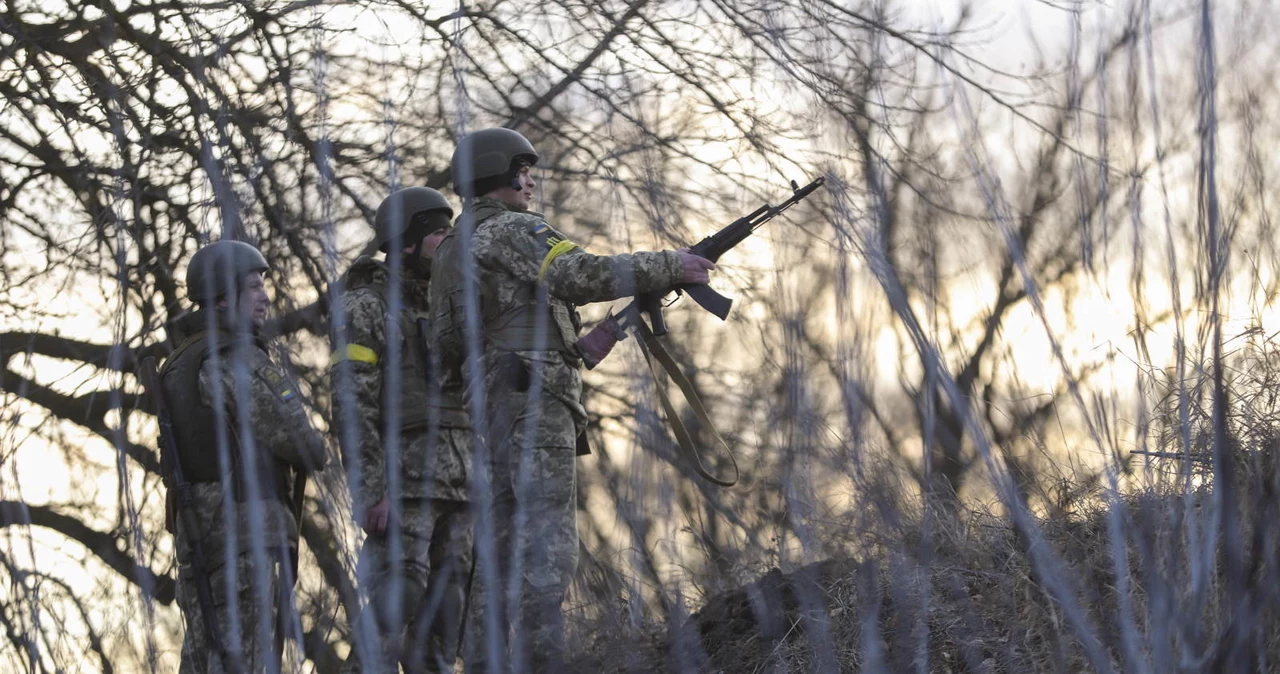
556,251
356,352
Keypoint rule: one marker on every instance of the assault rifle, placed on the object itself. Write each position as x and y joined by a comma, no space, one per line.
660,360
712,248
181,496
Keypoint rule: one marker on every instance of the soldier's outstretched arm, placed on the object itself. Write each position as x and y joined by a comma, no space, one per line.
277,417
360,402
525,246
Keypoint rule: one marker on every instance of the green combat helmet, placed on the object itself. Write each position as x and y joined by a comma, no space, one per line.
410,214
218,264
488,159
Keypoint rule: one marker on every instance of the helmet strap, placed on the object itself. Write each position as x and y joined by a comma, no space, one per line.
414,264
231,312
515,173
228,309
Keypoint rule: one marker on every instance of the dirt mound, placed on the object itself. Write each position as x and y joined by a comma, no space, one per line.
973,602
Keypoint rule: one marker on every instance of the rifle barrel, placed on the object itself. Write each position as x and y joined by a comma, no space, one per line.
712,247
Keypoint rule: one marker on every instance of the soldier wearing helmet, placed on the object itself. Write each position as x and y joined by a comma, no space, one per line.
527,279
243,438
407,448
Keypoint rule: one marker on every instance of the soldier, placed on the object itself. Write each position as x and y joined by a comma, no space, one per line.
242,437
412,444
528,280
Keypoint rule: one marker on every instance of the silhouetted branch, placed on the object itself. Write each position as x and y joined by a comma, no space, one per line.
105,546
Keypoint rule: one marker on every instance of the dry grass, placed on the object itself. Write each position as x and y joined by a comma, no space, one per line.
972,602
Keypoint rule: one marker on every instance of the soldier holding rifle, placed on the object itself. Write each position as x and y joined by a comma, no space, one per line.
236,447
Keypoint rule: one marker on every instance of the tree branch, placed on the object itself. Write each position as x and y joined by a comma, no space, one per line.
106,546
87,410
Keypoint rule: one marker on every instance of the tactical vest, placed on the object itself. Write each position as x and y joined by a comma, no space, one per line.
515,327
528,323
195,423
419,400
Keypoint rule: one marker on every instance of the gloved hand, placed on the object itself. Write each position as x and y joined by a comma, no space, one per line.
596,345
695,267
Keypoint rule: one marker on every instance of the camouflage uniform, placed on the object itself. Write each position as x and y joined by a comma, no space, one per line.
529,279
273,444
429,564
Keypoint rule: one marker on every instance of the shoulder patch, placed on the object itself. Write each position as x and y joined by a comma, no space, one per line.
543,234
276,382
547,236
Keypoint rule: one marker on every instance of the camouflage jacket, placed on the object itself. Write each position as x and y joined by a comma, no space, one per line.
428,467
517,255
270,432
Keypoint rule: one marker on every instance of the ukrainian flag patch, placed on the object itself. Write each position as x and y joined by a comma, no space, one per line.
277,382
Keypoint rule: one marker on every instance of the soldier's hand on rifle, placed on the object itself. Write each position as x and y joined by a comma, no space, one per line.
377,517
597,344
695,267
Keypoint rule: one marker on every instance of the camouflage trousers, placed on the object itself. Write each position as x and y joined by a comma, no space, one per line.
416,584
515,623
249,640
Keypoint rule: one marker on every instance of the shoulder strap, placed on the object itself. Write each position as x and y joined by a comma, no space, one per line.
483,211
659,360
201,338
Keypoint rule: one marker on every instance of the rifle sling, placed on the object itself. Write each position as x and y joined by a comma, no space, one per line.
655,354
204,595
284,603
179,484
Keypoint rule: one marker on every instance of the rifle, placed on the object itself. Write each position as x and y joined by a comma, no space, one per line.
286,594
656,354
712,248
186,512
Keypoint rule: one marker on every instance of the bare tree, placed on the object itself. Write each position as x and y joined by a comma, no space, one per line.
131,133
